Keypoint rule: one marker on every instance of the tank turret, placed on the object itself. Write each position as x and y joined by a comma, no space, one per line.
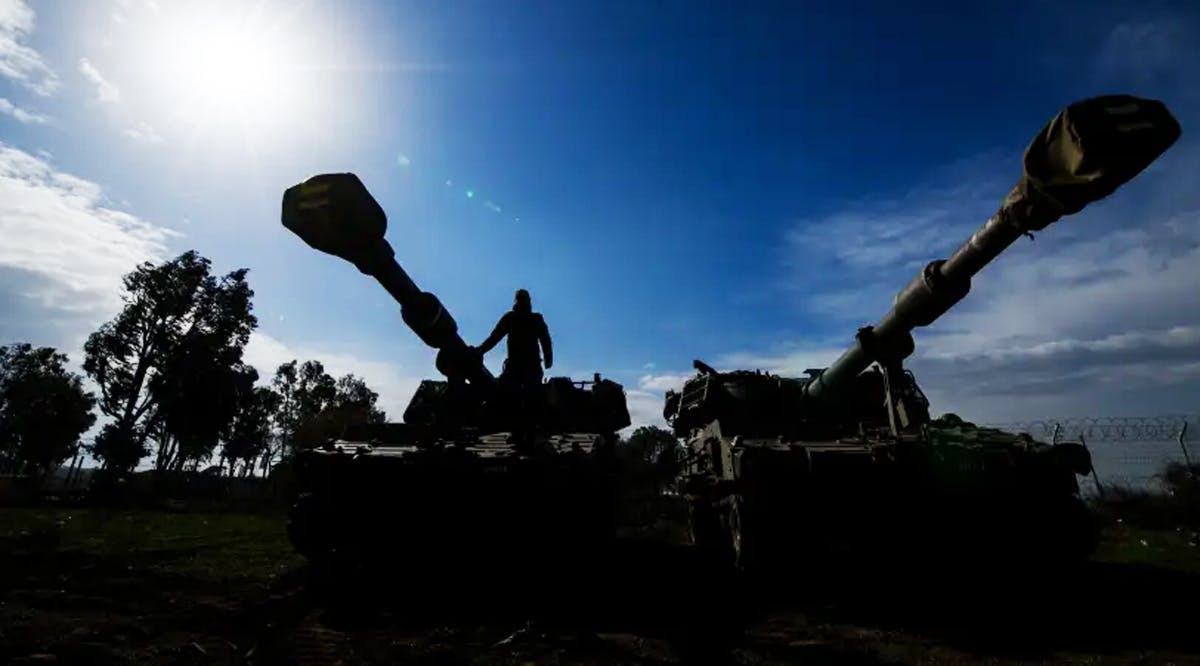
334,213
776,463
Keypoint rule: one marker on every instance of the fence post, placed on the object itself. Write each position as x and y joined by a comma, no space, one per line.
1054,437
1183,445
1092,464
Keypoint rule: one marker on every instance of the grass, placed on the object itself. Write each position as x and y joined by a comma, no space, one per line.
98,586
208,548
1159,528
1176,549
121,586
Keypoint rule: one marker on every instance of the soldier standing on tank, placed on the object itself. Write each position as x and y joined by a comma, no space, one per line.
525,330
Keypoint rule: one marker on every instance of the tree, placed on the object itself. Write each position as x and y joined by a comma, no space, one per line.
353,394
303,390
353,404
651,454
43,408
177,320
249,435
198,409
197,392
312,407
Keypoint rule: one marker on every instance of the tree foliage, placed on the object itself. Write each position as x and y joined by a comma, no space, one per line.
249,436
170,372
353,403
313,406
197,392
198,409
352,395
168,365
303,390
651,456
43,408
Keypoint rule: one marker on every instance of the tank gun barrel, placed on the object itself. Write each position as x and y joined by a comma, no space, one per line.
1082,155
334,213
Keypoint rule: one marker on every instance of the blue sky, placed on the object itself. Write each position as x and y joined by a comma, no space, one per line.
670,180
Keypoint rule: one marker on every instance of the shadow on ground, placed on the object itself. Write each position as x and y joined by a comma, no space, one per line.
646,602
638,602
1102,610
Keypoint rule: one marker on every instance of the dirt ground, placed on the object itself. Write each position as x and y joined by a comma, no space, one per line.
114,587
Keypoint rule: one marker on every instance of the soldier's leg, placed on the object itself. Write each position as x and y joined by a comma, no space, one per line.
529,379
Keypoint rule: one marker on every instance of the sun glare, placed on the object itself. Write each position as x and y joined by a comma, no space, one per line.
220,67
230,66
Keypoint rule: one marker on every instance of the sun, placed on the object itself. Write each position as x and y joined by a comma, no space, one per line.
225,64
225,67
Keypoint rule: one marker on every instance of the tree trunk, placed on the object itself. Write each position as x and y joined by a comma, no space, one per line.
168,447
139,376
266,461
73,470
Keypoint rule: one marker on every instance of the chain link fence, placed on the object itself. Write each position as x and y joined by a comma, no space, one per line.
1129,451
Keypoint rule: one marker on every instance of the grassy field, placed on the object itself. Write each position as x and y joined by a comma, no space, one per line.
94,586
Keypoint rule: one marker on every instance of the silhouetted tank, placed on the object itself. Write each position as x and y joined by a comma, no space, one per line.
849,456
478,470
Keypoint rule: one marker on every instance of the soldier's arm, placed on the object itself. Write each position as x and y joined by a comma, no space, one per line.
498,334
544,338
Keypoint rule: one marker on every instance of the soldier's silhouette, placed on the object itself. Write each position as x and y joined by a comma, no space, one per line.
525,330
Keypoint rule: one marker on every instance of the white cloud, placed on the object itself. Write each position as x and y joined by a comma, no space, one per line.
1100,314
59,228
18,61
645,409
1143,50
1114,284
106,91
1181,338
402,160
646,401
787,362
868,249
663,382
21,115
395,388
144,133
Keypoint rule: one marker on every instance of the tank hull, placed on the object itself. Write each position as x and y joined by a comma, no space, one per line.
482,502
770,504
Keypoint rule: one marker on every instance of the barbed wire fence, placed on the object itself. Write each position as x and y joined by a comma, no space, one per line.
1128,451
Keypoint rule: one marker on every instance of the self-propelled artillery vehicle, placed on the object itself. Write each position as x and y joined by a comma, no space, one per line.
847,458
481,469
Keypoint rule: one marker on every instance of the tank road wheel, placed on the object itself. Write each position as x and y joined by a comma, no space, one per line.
736,541
745,538
1071,533
708,532
300,524
311,528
